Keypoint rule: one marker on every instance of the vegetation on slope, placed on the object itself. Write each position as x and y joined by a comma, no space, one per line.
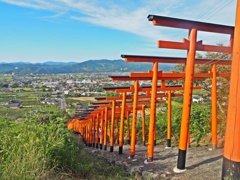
200,124
31,149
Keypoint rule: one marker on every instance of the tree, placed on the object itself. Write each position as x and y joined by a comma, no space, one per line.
222,82
14,85
111,93
2,85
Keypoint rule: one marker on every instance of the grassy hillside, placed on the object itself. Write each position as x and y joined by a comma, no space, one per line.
30,149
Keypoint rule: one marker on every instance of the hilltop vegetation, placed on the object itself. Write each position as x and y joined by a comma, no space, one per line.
35,144
32,149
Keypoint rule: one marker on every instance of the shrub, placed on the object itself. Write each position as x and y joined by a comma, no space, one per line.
199,123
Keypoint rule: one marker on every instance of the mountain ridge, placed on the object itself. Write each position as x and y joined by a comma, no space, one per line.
101,65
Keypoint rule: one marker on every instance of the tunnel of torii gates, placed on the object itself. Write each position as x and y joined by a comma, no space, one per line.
163,77
155,75
231,156
191,45
124,103
135,89
120,108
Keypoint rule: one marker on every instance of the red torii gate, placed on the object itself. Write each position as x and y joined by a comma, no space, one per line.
231,155
93,136
114,99
162,77
89,118
123,111
192,46
147,89
213,74
136,90
114,110
89,135
124,90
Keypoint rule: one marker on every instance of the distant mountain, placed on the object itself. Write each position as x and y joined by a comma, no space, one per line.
5,67
103,65
57,64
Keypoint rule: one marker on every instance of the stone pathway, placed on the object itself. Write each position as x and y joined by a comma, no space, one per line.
201,163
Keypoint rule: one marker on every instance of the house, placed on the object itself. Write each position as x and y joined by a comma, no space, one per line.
197,99
66,92
15,106
14,101
4,103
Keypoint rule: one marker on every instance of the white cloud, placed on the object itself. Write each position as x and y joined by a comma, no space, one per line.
36,4
123,15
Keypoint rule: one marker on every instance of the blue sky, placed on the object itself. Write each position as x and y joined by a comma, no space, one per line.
79,30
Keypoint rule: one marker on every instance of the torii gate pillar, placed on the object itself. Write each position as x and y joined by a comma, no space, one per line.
187,100
112,126
231,154
121,136
169,123
102,128
152,122
214,108
105,128
134,121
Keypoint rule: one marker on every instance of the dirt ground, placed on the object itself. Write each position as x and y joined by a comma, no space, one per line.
84,98
201,163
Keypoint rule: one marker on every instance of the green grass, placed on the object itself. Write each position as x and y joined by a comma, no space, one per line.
71,101
33,150
200,126
5,77
174,103
28,99
199,92
7,113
